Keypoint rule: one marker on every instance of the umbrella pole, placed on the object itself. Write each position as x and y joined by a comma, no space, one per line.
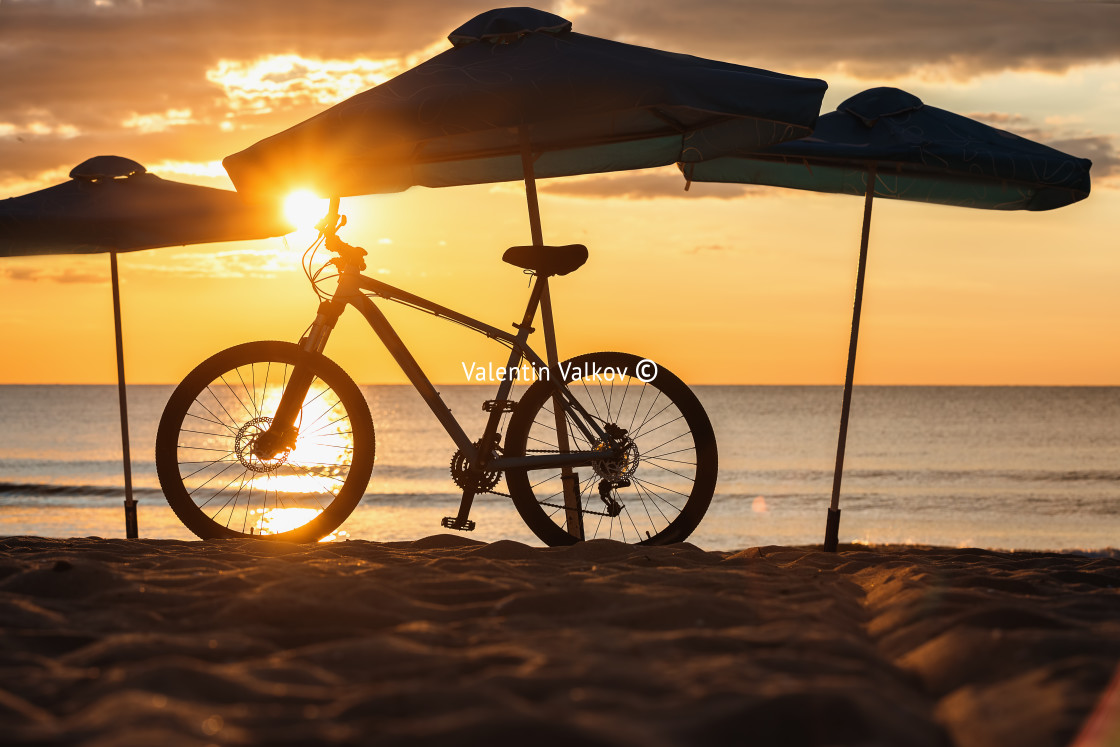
568,477
832,526
131,529
531,191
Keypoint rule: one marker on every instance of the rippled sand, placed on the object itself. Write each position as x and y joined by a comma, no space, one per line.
449,641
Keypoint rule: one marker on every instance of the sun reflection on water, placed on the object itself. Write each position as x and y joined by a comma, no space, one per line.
241,487
279,520
324,449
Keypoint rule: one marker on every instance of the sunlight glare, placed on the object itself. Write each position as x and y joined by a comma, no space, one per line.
277,520
325,446
304,209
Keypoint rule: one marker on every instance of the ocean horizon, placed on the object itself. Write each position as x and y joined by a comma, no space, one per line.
1001,467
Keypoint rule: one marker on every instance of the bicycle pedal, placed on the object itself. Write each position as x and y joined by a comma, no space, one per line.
452,522
501,405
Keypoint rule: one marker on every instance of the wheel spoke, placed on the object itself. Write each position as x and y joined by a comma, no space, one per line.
237,397
654,430
260,494
640,488
678,474
645,483
218,420
669,463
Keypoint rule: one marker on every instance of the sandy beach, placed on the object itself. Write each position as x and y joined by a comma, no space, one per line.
450,641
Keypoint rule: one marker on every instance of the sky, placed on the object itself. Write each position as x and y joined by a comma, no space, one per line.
721,284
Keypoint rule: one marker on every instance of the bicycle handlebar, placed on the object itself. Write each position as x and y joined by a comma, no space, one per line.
328,227
332,221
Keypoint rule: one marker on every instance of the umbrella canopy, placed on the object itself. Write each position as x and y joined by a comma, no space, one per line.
517,78
921,153
886,143
111,204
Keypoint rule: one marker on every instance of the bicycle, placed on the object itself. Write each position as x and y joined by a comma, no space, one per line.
273,439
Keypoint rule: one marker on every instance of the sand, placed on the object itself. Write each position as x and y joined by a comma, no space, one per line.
453,642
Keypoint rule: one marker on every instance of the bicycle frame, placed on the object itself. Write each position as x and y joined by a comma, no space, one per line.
354,289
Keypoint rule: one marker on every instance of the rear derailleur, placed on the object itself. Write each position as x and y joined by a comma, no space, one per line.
616,473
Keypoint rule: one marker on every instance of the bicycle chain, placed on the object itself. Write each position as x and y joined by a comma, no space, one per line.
492,491
582,510
551,505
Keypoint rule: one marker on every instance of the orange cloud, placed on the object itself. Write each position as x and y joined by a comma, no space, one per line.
871,39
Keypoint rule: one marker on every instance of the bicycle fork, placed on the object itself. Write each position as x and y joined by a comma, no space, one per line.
284,429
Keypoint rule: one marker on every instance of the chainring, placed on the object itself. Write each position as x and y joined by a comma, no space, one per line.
460,474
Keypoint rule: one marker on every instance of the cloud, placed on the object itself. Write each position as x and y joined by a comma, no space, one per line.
1100,149
159,79
1002,120
91,62
872,39
69,275
277,81
226,263
195,80
709,248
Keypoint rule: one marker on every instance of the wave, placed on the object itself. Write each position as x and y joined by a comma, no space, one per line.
29,489
930,475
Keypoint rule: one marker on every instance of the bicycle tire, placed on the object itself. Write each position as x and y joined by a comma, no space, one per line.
203,447
674,465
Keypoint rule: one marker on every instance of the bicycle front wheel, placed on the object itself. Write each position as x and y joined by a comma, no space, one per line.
669,460
215,482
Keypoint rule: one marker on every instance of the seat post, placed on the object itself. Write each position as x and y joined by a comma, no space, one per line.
547,325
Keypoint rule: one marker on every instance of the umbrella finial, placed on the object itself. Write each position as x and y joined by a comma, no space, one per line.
871,105
507,25
106,167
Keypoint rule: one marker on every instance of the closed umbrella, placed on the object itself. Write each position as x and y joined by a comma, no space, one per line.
111,204
885,142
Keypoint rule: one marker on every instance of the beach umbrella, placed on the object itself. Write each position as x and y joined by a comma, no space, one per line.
519,95
111,204
885,142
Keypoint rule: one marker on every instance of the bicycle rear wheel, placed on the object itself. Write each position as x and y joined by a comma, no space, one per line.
210,475
670,458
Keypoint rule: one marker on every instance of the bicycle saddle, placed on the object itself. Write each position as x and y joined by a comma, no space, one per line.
547,260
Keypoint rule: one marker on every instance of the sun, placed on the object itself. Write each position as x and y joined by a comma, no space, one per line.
304,209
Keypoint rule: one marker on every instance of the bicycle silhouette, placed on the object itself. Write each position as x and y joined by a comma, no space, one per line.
273,439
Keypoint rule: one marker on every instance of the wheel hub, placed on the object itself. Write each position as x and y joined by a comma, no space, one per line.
621,468
246,439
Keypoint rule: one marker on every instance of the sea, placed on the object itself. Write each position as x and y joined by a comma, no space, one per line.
1028,468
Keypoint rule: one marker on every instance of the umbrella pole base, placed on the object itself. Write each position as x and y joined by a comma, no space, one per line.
832,530
131,526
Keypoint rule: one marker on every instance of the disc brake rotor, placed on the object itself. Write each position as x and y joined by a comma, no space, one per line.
622,467
247,436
